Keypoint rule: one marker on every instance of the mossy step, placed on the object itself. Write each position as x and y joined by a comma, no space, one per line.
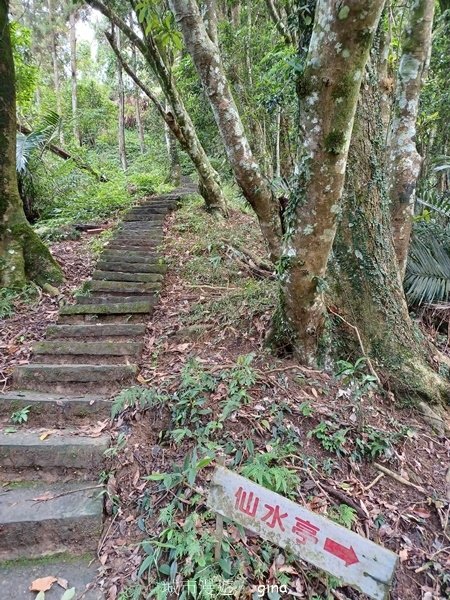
123,256
70,522
54,408
92,348
98,330
115,276
116,298
121,267
140,226
144,253
79,571
145,217
27,374
124,286
62,449
125,247
116,308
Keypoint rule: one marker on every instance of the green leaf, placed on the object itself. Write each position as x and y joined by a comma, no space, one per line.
68,594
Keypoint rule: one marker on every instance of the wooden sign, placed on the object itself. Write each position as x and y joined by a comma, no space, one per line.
343,553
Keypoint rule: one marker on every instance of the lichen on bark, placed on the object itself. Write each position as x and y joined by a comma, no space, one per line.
337,55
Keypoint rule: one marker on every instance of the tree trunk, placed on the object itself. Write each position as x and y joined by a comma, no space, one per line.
405,160
73,74
121,101
172,153
137,97
207,60
54,53
22,254
328,94
368,291
209,181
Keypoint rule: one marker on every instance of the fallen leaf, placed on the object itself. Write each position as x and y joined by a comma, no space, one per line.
69,594
44,435
403,554
43,584
63,583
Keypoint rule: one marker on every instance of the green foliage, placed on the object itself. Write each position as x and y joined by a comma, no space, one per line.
21,416
36,141
26,72
135,397
267,470
343,514
427,277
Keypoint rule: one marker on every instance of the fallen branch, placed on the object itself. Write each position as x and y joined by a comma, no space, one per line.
344,498
399,478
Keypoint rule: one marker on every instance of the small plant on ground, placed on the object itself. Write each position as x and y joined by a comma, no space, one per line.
21,416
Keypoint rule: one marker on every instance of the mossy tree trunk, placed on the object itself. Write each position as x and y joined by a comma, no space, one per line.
208,63
367,289
22,254
328,94
405,160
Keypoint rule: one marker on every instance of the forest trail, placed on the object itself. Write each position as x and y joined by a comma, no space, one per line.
55,505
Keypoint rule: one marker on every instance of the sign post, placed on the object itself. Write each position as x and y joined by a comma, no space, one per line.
328,546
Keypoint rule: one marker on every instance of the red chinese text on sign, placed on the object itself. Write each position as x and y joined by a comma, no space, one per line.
273,517
305,531
246,503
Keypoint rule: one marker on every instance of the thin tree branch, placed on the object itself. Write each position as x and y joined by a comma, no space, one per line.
281,27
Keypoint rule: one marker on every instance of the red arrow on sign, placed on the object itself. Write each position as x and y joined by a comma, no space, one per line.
348,555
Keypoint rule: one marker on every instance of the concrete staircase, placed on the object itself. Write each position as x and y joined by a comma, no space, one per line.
51,503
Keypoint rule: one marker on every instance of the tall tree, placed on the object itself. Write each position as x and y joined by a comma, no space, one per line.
209,180
73,72
405,160
328,94
367,290
22,254
206,57
121,103
137,100
54,53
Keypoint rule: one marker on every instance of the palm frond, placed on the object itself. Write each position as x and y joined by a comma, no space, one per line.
427,276
37,140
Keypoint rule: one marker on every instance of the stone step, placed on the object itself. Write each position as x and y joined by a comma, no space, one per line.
117,276
79,571
121,256
59,347
140,226
124,267
56,409
98,298
157,215
124,286
60,450
117,308
122,246
135,228
29,376
98,330
149,253
71,522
